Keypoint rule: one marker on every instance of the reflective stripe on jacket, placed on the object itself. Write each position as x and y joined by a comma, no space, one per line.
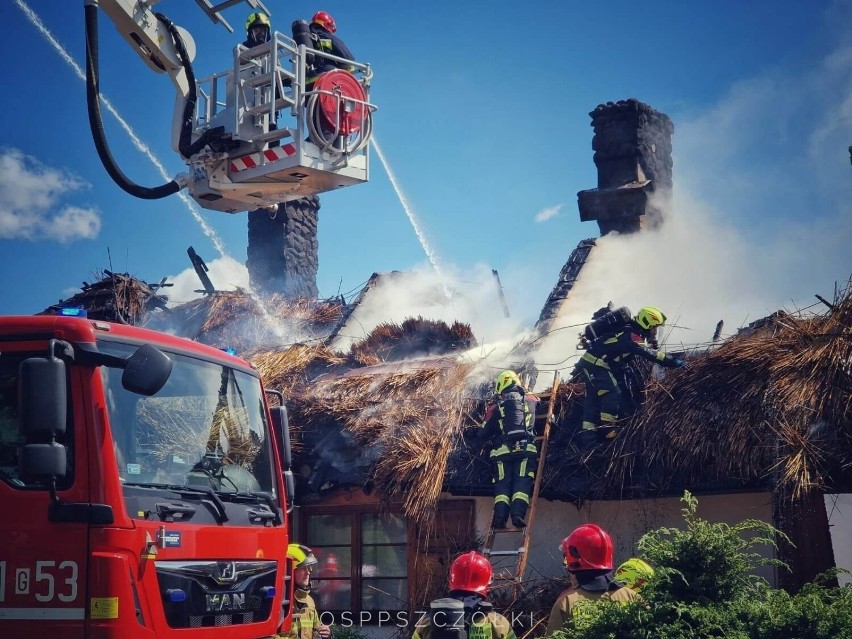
305,618
495,626
615,349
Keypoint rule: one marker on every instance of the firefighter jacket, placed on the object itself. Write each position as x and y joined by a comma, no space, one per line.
510,424
479,625
569,606
612,351
306,619
327,42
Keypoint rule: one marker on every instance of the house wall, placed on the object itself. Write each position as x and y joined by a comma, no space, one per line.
626,521
839,509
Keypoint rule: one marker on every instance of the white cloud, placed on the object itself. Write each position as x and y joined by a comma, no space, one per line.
30,201
225,273
73,222
548,213
774,149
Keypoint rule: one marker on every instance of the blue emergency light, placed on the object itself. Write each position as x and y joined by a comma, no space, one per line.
176,595
73,312
230,351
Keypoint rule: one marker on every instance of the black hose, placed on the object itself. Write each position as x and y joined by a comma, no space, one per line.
96,122
185,145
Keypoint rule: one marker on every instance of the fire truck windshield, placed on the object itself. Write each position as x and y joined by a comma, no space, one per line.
206,428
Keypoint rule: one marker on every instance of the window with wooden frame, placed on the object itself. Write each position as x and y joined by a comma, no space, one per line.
362,559
366,561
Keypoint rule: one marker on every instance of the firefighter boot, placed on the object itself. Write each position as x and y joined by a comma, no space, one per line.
501,515
587,438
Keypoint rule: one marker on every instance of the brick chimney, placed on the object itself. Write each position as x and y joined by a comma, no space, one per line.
633,153
282,249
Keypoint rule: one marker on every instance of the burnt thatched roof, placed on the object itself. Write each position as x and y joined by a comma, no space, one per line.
114,297
768,406
235,319
771,406
389,426
415,337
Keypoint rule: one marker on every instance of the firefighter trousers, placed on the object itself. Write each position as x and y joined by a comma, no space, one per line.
514,474
603,396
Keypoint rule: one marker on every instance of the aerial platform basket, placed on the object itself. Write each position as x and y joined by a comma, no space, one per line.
274,137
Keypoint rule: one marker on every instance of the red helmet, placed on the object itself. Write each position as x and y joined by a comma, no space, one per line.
471,572
325,20
589,547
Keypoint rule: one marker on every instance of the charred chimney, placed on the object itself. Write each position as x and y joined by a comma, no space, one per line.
633,155
282,249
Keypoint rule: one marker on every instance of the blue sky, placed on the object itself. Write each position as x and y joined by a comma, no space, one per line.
483,117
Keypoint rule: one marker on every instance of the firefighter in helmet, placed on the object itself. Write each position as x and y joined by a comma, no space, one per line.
510,422
258,29
306,620
600,367
634,573
465,608
323,37
587,555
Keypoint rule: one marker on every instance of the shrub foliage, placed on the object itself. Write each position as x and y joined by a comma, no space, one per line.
705,586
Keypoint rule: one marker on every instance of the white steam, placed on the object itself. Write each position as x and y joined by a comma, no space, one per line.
225,273
395,297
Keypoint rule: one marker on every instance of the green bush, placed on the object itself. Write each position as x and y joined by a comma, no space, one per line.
814,612
705,586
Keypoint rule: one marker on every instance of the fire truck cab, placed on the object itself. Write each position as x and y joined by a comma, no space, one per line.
141,487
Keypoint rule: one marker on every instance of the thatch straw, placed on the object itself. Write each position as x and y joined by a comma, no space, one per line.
413,417
237,320
761,408
295,367
415,336
114,297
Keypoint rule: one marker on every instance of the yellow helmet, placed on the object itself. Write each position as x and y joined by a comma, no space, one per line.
650,317
302,556
634,573
257,18
506,379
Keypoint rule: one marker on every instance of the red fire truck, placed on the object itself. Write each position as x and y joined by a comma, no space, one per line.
141,487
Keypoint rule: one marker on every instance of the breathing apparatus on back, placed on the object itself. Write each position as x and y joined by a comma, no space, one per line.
605,322
453,618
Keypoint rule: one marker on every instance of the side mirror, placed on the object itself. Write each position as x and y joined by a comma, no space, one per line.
42,399
282,427
146,371
42,462
290,487
43,410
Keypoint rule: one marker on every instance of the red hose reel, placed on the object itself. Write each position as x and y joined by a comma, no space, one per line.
344,101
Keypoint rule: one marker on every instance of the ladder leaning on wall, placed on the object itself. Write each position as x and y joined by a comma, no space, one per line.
520,551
